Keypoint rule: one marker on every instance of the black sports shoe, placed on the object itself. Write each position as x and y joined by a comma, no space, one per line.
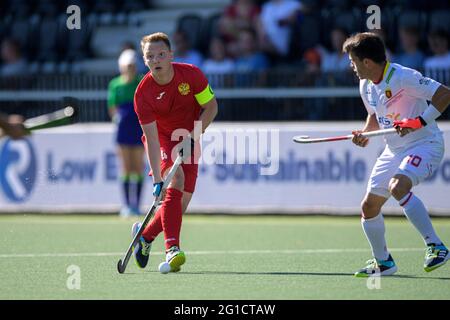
141,251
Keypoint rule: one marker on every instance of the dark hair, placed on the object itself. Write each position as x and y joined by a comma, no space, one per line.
14,43
341,29
413,30
439,33
366,45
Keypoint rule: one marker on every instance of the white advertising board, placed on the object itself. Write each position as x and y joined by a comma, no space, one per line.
245,168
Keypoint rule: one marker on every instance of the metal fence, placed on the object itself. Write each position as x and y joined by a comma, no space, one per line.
278,94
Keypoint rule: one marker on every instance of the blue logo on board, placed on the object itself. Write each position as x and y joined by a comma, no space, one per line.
17,169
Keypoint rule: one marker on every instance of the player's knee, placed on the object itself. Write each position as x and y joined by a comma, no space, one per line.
369,209
399,186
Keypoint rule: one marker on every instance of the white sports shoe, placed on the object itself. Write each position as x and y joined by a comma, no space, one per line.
175,258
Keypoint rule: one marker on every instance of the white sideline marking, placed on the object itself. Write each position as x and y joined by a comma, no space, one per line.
118,254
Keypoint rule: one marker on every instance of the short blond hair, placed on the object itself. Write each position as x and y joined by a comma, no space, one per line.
155,37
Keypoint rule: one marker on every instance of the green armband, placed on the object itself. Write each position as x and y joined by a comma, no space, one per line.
205,96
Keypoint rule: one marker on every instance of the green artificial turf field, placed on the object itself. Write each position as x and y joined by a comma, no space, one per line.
228,257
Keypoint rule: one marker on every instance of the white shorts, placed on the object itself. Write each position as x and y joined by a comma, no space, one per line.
416,162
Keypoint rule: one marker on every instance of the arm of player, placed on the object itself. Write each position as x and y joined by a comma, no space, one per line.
371,125
209,112
112,111
441,99
371,121
12,126
153,149
112,101
204,95
439,103
207,115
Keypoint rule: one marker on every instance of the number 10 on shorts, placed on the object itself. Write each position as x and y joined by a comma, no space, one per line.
414,160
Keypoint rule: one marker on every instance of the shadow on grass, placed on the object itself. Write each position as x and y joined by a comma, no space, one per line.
303,274
131,273
281,273
419,277
270,273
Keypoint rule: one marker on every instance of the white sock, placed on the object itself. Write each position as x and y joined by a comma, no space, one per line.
374,230
418,215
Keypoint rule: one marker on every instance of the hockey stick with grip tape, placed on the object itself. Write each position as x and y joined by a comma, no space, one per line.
307,139
122,263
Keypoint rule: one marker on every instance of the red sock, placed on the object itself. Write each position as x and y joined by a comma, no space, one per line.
154,227
171,216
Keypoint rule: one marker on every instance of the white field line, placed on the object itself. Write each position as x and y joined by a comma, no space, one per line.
216,252
269,222
263,221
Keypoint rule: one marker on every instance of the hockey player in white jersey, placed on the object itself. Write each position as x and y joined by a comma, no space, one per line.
396,96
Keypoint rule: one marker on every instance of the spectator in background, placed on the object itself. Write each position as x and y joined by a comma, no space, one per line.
13,62
249,58
183,51
140,65
411,56
326,69
218,64
318,59
312,61
439,63
336,60
274,28
250,61
241,14
128,138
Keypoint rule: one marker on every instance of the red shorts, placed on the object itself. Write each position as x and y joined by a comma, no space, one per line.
190,174
190,170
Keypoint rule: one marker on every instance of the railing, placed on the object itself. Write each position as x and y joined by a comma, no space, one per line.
278,94
274,78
